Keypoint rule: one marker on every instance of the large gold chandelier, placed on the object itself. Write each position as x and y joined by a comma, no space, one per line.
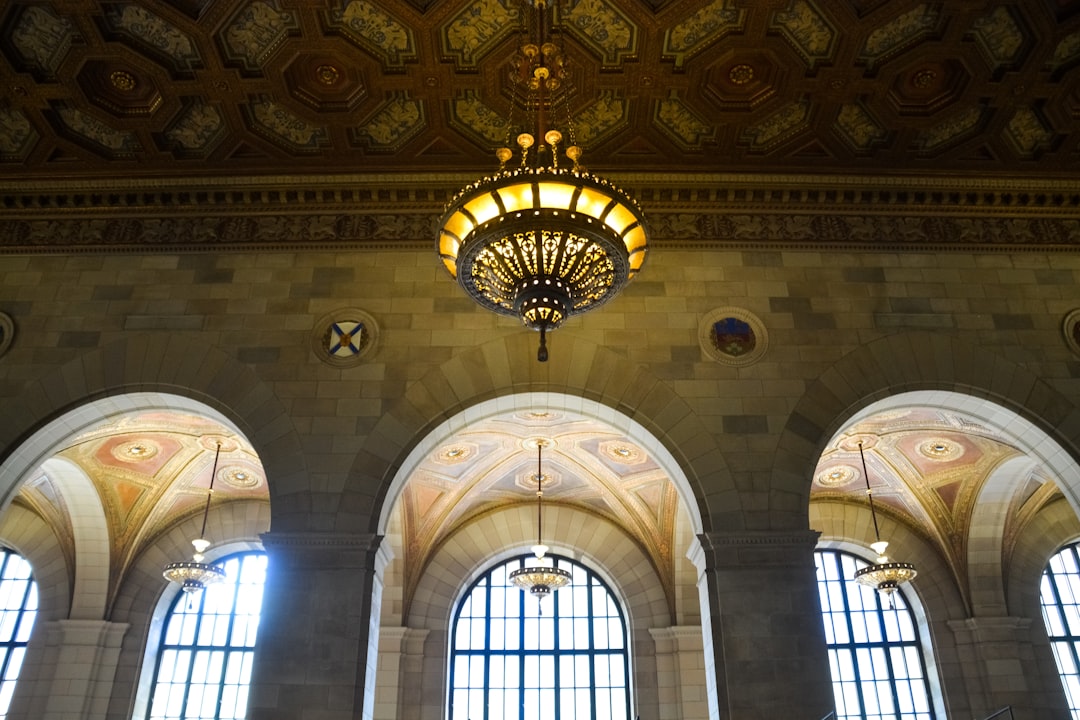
542,239
884,575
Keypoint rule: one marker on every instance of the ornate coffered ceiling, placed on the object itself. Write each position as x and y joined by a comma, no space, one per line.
192,87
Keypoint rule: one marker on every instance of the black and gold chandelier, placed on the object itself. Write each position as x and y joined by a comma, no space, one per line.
884,575
195,574
542,239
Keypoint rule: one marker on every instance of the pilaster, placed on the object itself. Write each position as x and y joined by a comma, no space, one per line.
318,637
769,649
1003,667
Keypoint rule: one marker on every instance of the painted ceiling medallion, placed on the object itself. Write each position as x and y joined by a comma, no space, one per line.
941,450
836,476
122,80
211,442
240,477
327,74
851,443
453,454
741,74
622,452
136,450
541,416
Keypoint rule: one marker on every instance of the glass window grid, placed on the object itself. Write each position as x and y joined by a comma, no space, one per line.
207,646
1060,599
875,654
505,654
18,610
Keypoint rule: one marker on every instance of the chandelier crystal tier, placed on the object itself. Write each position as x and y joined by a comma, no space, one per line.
195,574
884,575
542,240
542,578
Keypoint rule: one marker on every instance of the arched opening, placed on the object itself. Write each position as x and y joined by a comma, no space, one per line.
615,501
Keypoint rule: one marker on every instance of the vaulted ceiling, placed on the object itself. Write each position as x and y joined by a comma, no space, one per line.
201,87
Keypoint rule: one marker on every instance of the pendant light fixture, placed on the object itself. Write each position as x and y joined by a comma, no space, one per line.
542,578
544,240
884,575
195,574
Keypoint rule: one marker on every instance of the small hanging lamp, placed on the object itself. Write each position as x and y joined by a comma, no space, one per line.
884,575
195,574
542,578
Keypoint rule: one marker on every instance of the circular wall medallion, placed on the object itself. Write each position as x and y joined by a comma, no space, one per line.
733,336
1071,329
7,332
344,337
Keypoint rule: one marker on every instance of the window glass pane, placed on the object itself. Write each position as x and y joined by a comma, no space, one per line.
568,652
18,610
204,662
875,657
1059,592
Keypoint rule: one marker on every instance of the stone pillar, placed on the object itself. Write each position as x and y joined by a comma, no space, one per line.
318,637
1003,667
769,654
680,673
72,678
401,668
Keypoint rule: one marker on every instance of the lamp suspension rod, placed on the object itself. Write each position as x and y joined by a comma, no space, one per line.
869,493
213,474
539,492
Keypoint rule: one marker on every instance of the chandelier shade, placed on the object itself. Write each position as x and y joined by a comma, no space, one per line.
542,241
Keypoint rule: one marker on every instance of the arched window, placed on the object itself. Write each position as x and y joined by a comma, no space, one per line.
875,655
1061,612
18,609
512,658
204,662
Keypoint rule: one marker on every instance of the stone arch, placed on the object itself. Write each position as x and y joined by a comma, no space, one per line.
90,533
986,536
919,361
154,370
1055,526
502,367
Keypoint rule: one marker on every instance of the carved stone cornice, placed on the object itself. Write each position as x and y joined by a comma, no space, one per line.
757,549
358,212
